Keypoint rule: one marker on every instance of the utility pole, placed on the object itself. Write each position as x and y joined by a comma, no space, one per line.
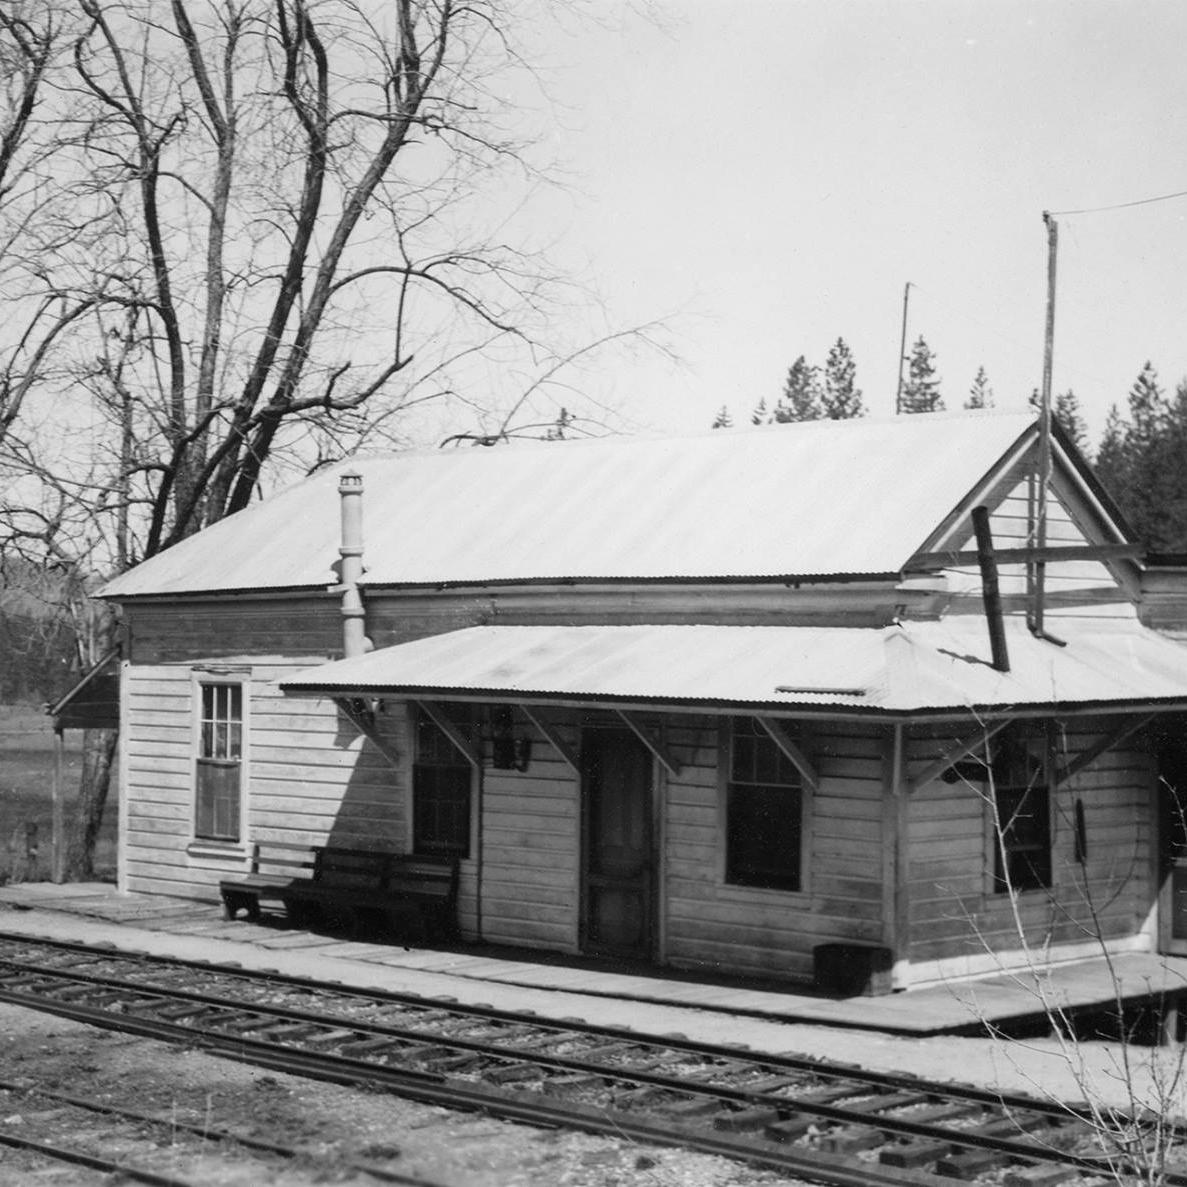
902,352
1043,475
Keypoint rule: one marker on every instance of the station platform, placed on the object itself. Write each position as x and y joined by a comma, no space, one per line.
940,1032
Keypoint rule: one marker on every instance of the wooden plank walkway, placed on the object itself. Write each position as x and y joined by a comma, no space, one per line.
941,1009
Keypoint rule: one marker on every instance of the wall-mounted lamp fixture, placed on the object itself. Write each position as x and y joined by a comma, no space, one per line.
508,752
364,709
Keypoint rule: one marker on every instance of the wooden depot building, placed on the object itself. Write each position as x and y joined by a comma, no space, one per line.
739,701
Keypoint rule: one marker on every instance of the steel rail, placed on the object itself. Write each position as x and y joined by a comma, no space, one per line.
529,1108
1030,1150
964,1092
436,1089
900,1126
206,1132
92,1161
571,1063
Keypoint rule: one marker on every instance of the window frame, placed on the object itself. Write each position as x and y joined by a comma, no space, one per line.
208,678
798,785
417,717
1032,746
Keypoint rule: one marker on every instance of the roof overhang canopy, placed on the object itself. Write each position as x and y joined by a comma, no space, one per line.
94,701
916,668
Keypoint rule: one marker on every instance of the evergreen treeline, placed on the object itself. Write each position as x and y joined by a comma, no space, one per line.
1141,458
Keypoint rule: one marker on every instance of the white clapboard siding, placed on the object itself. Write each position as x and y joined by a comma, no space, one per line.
769,932
310,777
953,909
531,850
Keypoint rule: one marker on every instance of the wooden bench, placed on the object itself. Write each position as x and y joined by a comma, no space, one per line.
275,866
359,889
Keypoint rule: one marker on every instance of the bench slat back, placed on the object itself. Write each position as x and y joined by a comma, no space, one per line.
283,857
434,876
350,868
359,869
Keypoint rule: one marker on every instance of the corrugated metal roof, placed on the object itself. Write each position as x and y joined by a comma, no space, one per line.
817,499
916,666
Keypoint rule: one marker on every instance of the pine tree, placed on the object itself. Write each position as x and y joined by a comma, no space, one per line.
980,393
1065,408
801,394
760,415
723,420
1139,462
1149,411
1111,461
841,397
921,392
1150,469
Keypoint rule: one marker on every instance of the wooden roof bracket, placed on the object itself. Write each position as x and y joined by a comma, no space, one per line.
361,715
1074,766
552,737
461,743
778,734
651,740
936,768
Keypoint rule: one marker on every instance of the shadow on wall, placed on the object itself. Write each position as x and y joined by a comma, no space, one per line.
373,810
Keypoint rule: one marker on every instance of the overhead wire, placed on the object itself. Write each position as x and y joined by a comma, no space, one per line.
1120,205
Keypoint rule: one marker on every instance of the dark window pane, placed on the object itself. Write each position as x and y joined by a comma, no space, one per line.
441,809
1022,854
763,836
764,811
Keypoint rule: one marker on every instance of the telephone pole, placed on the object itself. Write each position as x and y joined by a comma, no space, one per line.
902,352
1043,475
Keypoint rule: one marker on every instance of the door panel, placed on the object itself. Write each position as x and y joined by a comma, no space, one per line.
619,874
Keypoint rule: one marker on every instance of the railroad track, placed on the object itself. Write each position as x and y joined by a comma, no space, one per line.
832,1124
142,1147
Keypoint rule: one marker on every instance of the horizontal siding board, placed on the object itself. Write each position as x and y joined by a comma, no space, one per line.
770,932
952,905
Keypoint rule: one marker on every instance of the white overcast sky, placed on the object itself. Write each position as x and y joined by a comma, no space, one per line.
775,170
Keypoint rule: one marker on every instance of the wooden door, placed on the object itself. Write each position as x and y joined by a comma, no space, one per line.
618,899
1172,804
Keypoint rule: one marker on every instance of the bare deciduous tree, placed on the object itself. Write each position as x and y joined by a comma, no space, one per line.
249,235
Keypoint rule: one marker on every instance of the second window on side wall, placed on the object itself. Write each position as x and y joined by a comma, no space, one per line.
1022,807
441,781
764,812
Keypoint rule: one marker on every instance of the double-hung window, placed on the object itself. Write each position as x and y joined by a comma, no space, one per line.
441,782
1021,825
764,812
219,776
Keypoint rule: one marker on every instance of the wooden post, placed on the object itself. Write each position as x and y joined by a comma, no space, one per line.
990,592
1044,460
57,840
902,352
896,882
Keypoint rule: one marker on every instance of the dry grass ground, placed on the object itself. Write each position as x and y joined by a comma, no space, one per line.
26,785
